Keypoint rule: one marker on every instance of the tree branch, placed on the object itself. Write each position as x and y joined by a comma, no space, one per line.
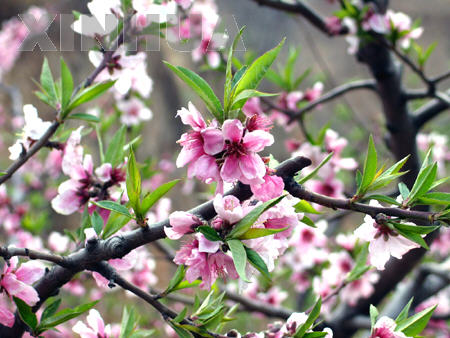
300,8
428,111
334,93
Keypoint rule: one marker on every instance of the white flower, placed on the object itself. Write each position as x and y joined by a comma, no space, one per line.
384,242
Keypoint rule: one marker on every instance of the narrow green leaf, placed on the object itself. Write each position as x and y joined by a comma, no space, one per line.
26,314
257,70
423,183
113,206
176,279
181,332
411,235
404,191
229,72
201,87
313,315
180,316
373,315
64,316
209,233
156,195
360,267
255,259
415,324
246,223
47,82
308,221
115,153
239,257
440,198
315,334
66,85
313,173
97,222
51,308
370,167
382,198
290,64
405,311
238,76
89,94
84,117
115,222
129,319
276,78
260,232
416,229
240,99
186,285
133,183
304,206
301,78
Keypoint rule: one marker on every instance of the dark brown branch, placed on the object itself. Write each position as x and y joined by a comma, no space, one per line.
428,111
335,93
7,253
302,9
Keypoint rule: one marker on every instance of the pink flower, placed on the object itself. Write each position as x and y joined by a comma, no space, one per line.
331,187
314,93
17,281
384,242
134,112
360,288
184,3
228,208
204,260
252,107
208,48
336,144
182,223
96,328
385,328
333,25
401,23
272,187
7,317
241,161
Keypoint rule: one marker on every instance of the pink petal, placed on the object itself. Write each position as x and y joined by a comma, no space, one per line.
232,130
6,317
257,140
208,246
29,272
252,168
213,141
95,321
230,170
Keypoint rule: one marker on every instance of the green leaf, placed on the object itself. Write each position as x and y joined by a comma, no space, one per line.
301,78
66,85
51,308
239,257
115,222
404,191
84,117
415,324
238,76
360,267
240,99
229,72
186,285
176,279
113,206
115,153
201,87
246,223
416,229
156,194
181,332
373,315
97,222
370,168
180,316
382,198
47,82
440,198
304,206
405,311
290,64
209,233
276,78
411,234
64,316
313,315
26,313
308,221
89,94
260,232
133,183
316,170
423,183
255,259
257,70
315,334
129,319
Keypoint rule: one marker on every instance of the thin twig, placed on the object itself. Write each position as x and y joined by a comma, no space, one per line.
7,253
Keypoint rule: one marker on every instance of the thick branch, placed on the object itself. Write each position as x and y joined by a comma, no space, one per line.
300,8
429,111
